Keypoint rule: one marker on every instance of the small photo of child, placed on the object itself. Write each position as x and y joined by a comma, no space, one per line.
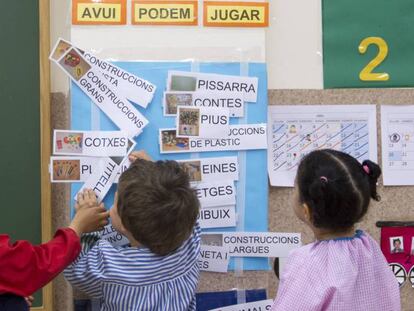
397,245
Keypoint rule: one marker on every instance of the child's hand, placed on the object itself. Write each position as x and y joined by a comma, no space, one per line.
141,154
90,216
29,300
86,198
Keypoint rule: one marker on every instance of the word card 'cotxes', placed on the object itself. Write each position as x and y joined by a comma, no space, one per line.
193,81
90,143
202,122
134,88
94,84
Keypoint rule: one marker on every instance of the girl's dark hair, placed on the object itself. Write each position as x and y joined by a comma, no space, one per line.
336,188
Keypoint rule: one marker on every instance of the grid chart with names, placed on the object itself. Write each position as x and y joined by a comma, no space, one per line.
398,144
296,131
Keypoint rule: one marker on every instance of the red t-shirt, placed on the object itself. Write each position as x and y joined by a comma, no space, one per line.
25,268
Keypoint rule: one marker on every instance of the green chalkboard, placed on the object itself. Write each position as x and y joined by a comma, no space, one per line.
20,183
347,23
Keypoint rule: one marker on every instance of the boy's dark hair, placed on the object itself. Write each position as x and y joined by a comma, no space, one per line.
395,241
336,188
157,205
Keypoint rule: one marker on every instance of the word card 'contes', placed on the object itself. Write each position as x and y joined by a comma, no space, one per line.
232,100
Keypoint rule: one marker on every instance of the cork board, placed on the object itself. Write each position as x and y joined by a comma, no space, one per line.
281,216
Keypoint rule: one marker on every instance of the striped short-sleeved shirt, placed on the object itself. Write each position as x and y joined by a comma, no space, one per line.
136,279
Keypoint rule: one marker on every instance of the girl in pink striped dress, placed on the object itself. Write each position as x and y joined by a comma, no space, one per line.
344,269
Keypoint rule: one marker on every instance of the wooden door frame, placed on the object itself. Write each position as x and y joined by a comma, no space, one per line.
45,138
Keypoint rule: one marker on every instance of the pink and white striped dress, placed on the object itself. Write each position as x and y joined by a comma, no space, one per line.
346,274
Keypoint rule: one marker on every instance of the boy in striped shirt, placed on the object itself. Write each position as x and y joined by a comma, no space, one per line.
156,209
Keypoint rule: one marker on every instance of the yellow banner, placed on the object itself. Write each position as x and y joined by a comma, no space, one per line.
102,12
236,14
164,12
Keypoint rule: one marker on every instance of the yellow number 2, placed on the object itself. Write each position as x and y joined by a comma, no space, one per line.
366,74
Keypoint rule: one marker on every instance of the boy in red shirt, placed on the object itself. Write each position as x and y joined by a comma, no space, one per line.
25,268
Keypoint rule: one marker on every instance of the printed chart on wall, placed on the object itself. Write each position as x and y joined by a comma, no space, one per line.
397,129
227,166
294,131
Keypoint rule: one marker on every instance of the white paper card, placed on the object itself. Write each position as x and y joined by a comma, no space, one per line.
262,305
295,131
134,88
217,193
239,137
112,236
90,143
202,122
77,169
397,135
232,100
101,181
211,169
217,217
93,83
213,259
255,244
261,244
194,81
72,169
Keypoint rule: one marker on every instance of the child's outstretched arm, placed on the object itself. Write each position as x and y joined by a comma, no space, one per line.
86,271
25,268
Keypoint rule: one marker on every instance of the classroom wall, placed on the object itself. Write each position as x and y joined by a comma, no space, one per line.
293,54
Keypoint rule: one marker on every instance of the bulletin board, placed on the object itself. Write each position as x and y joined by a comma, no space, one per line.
395,202
252,187
25,126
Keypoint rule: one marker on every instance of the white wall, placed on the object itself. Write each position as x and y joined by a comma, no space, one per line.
292,45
